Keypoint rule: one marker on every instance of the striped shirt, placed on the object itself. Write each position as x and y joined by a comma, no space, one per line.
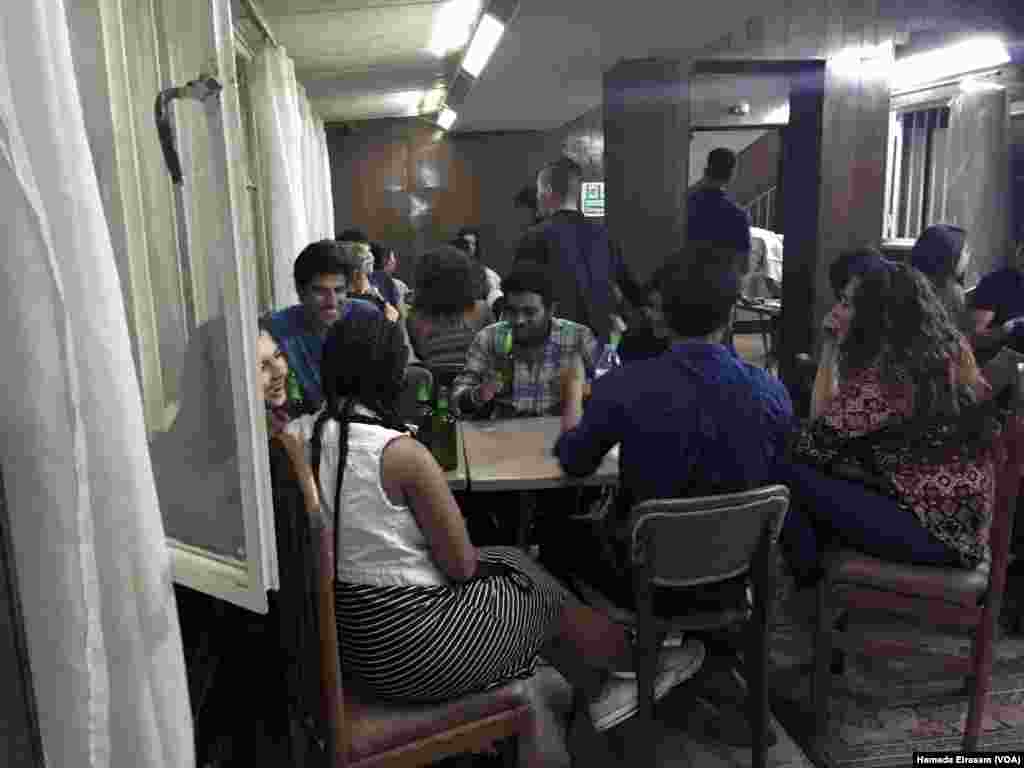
443,341
532,385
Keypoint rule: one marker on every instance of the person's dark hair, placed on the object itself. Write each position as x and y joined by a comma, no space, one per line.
353,235
855,262
658,278
526,198
564,176
900,324
461,235
324,257
364,362
380,255
528,277
936,254
699,287
448,282
721,164
461,243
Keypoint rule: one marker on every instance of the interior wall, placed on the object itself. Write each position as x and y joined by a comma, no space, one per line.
1017,191
406,185
855,119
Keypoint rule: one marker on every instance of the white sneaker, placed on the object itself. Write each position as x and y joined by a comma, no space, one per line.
620,698
672,640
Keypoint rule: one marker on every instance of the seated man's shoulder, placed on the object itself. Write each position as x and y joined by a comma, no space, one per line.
357,306
287,322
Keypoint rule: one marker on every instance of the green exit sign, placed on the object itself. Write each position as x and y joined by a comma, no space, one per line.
593,198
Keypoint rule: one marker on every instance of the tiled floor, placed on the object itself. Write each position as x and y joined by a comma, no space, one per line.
681,742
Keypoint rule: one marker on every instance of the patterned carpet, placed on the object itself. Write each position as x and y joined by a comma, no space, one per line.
882,711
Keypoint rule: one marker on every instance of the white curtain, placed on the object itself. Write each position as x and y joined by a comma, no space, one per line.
296,169
94,570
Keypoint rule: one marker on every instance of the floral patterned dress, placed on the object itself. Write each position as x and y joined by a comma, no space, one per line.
943,474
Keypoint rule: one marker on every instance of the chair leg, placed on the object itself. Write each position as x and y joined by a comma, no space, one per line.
645,655
757,683
509,750
981,681
821,684
838,658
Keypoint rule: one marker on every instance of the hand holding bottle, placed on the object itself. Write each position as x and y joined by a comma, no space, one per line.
573,380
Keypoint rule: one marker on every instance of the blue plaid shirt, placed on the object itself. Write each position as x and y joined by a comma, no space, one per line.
531,386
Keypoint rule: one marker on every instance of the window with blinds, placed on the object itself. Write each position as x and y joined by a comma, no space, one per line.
915,183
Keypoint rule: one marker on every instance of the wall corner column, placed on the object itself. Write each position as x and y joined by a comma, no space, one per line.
646,158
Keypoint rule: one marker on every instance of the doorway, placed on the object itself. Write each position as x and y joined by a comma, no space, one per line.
782,98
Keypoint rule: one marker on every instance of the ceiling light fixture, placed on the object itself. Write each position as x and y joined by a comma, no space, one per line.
452,26
485,40
978,85
930,66
446,118
778,115
432,100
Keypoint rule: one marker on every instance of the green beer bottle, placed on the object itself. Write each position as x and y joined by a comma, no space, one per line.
444,440
424,413
293,392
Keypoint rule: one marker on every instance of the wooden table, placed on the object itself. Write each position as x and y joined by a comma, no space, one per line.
516,455
458,478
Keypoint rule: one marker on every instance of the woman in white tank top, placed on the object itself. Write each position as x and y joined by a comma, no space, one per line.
422,614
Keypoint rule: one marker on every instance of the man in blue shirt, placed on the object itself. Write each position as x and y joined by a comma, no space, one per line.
587,269
710,215
694,421
322,278
997,312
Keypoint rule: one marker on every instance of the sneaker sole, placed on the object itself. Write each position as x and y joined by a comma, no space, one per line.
665,682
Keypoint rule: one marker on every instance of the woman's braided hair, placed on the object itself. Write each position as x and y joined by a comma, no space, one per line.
364,362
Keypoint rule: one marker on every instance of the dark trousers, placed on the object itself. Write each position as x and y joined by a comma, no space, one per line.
573,549
826,511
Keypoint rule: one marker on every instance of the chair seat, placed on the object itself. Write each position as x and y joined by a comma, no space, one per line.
959,586
376,727
694,622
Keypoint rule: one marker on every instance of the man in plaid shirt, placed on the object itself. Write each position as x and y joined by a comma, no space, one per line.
513,368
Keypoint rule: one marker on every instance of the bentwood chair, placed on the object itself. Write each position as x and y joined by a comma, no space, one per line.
938,597
331,724
698,543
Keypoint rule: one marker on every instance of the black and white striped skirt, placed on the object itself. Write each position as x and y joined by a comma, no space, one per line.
422,644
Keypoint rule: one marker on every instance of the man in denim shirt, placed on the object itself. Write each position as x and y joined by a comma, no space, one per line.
693,421
322,280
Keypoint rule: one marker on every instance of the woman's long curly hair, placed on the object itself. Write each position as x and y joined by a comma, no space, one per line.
900,324
364,362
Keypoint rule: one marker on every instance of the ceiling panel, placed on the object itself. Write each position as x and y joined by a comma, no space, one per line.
547,69
356,40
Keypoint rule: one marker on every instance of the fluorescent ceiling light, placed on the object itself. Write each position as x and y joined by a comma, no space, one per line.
778,115
432,100
447,118
488,33
870,61
977,85
968,56
452,26
406,101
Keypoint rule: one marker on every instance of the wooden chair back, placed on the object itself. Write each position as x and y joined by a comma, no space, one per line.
934,596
